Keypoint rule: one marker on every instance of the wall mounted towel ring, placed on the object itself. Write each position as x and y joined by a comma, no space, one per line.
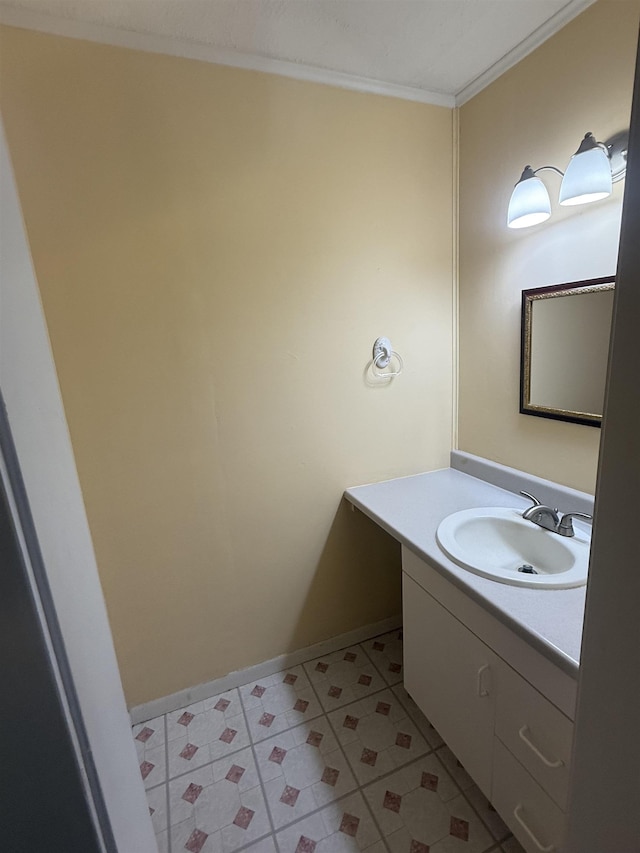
383,352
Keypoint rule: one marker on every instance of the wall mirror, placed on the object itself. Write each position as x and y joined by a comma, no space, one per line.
565,346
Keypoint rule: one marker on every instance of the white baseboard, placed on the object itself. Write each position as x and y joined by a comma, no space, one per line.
157,707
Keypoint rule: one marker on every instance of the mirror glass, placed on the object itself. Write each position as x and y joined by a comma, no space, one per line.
565,345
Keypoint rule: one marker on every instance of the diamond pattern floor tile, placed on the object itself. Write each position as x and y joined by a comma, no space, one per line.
157,801
200,734
306,756
303,769
386,653
344,826
219,807
162,840
178,722
423,724
279,702
377,735
455,768
149,741
467,834
420,808
266,845
489,815
344,676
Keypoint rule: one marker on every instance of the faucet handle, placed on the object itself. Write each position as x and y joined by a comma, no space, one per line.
565,528
533,498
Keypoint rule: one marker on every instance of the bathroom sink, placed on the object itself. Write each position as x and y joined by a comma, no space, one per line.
498,543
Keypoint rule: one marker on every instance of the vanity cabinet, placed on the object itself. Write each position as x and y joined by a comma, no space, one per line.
449,672
474,680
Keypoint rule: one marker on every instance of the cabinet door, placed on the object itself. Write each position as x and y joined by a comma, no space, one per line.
448,672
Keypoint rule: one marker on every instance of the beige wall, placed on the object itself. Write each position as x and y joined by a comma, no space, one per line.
580,80
217,250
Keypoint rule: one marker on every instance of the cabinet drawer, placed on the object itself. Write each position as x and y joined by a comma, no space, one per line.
536,732
532,816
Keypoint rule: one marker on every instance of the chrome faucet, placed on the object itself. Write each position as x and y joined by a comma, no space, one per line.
540,514
545,516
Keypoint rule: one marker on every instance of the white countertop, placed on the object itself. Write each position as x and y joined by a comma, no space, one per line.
411,508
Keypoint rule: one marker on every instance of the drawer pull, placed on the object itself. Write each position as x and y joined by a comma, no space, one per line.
536,751
516,814
482,691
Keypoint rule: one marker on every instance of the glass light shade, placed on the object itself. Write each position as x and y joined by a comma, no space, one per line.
529,204
588,178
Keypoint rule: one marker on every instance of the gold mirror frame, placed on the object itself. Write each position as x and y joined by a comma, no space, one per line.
529,297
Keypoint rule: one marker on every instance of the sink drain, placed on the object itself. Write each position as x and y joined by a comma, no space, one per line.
526,569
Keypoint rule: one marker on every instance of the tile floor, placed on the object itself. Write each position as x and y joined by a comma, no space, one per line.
329,757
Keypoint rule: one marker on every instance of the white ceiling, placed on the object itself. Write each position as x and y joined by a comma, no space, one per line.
438,49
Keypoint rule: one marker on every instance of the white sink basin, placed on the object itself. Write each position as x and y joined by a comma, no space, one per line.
495,542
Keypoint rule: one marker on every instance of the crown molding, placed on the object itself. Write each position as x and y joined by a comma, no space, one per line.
568,12
103,34
150,43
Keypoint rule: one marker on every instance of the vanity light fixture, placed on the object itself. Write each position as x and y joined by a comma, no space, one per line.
530,203
589,177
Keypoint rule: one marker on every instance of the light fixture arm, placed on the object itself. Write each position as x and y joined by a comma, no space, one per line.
528,172
548,169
